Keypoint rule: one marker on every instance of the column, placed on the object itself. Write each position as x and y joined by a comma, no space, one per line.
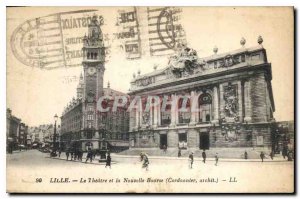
136,118
197,94
216,104
240,101
194,107
176,110
150,115
173,111
247,97
159,114
155,115
140,113
222,102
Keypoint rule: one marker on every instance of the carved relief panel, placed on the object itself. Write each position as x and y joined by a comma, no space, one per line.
230,97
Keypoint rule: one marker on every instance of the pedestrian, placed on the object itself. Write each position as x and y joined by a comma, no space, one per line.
165,148
262,156
246,155
191,160
217,159
141,156
272,154
94,155
72,155
67,154
284,151
145,162
76,155
290,155
108,161
179,152
80,154
59,152
89,155
204,156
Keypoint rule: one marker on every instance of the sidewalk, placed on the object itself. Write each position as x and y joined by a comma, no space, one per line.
125,158
17,151
275,159
225,154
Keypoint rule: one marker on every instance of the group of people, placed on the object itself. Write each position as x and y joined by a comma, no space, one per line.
75,155
145,160
191,158
287,153
90,156
271,155
78,154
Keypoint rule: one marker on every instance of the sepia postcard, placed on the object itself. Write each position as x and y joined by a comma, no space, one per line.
150,100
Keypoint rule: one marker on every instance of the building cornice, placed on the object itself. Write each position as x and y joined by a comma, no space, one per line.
205,79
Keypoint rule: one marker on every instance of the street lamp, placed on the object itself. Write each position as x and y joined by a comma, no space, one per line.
54,135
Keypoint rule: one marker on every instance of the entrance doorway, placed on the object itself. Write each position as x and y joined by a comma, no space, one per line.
163,141
182,140
204,140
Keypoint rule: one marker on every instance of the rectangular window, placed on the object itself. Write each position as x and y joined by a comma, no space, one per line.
144,137
90,117
89,135
255,57
243,58
90,108
215,64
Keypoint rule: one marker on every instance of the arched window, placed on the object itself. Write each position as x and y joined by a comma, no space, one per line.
205,103
96,55
184,110
88,55
92,55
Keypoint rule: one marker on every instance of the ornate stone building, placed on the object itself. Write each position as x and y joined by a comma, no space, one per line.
234,101
81,123
12,131
23,131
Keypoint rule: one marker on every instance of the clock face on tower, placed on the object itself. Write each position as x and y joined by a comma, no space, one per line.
91,70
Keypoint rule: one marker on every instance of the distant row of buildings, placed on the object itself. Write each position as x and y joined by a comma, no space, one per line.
16,132
21,136
43,134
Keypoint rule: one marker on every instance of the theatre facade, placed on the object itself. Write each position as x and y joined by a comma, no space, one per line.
234,101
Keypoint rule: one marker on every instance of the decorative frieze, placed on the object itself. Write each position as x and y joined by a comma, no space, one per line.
231,100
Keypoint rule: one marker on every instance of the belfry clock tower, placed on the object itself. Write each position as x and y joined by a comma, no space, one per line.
93,67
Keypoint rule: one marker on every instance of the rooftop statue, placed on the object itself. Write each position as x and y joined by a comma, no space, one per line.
184,61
